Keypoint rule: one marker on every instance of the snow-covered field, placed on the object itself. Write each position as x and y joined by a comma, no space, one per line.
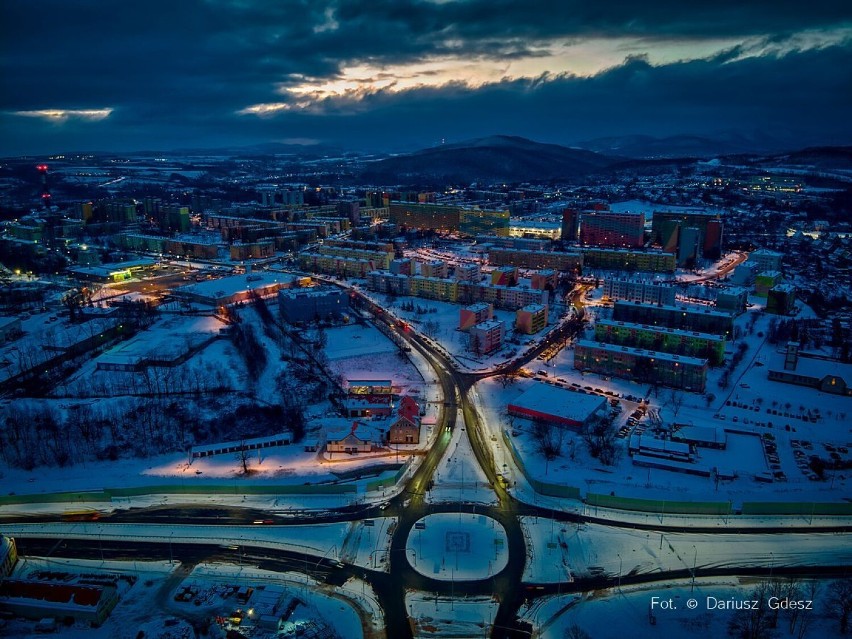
628,611
439,616
457,547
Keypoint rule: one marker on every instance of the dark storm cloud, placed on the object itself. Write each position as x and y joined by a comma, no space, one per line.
179,71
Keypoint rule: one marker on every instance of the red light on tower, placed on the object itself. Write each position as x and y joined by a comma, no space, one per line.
42,168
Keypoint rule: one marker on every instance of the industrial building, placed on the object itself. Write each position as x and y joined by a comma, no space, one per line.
238,288
556,405
312,304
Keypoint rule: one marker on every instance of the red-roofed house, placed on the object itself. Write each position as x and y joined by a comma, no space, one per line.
409,408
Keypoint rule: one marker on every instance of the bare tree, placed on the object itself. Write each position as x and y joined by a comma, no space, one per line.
242,456
675,401
839,603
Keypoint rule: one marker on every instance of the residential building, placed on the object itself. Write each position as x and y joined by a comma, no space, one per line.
643,366
732,300
475,314
547,279
476,221
467,273
348,442
425,216
404,431
667,231
252,250
766,260
616,288
339,266
434,268
781,299
487,336
531,319
668,340
606,228
689,247
8,556
559,261
765,281
685,318
10,328
434,288
401,266
745,274
504,276
570,225
628,260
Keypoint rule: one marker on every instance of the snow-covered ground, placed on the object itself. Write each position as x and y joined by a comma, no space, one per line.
593,549
458,477
354,351
744,454
628,611
439,616
548,559
457,547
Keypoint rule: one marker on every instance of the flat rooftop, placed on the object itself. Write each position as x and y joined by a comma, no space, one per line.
559,402
615,348
236,283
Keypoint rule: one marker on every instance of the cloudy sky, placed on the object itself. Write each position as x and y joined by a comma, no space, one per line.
394,74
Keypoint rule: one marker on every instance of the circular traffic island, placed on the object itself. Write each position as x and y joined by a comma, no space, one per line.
457,546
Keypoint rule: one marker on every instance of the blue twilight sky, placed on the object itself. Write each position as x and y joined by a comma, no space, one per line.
394,74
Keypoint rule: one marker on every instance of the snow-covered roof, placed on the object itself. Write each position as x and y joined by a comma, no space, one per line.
235,284
615,348
558,402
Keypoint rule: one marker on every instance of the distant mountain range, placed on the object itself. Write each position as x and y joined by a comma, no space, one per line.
495,158
686,146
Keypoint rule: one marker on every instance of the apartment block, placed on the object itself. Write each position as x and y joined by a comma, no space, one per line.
643,366
606,228
475,314
667,340
685,318
487,336
536,259
434,268
531,319
638,291
505,276
628,260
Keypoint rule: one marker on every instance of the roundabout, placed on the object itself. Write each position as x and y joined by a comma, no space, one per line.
457,547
